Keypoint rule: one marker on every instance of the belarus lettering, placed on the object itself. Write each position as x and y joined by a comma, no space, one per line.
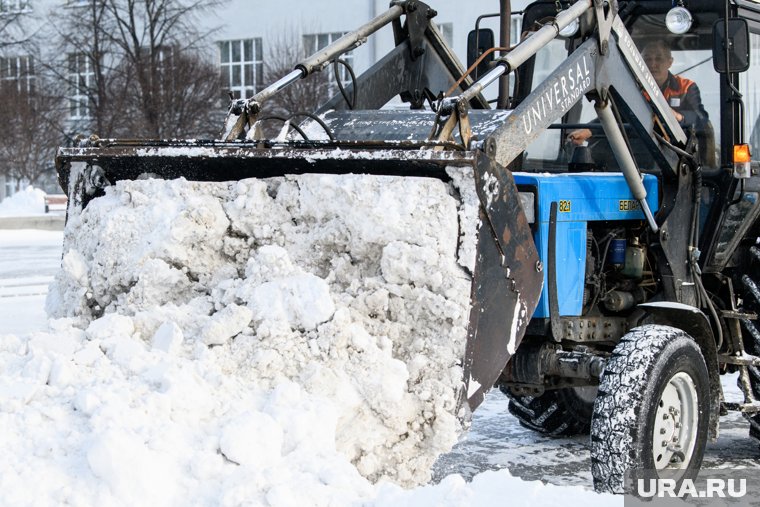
628,205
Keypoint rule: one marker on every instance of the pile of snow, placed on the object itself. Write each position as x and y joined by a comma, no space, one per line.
28,202
287,281
274,342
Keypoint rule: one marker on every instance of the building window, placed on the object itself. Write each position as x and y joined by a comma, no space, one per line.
317,41
447,31
514,30
17,72
14,6
81,78
242,66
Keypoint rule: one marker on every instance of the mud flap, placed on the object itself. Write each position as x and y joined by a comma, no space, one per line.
507,281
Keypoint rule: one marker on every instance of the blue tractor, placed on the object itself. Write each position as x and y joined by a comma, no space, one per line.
616,265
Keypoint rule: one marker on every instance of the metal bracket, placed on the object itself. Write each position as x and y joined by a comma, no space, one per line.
418,15
744,361
458,117
604,21
94,180
236,120
465,129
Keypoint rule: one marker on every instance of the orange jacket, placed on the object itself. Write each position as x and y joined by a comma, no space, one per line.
683,95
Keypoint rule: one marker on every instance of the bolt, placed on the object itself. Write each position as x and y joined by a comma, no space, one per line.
491,146
678,425
539,266
663,431
675,439
664,443
665,417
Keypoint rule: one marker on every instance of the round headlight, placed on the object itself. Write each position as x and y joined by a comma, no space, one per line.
678,20
571,29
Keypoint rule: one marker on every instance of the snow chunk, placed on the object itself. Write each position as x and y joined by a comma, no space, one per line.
225,324
253,439
302,302
168,338
131,469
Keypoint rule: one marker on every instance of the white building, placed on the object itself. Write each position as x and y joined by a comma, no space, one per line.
322,22
243,34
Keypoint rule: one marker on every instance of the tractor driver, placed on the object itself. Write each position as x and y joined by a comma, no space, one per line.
682,94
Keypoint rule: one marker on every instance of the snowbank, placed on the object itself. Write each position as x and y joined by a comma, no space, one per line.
28,202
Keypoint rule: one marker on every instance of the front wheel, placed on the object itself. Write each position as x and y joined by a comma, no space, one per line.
652,409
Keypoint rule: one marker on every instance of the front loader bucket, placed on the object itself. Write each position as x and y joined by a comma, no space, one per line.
506,281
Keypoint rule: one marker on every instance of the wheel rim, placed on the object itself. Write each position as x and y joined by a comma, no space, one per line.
675,425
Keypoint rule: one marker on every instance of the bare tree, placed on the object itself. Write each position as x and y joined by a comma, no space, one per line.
156,38
284,51
136,68
90,91
28,147
180,99
22,158
13,29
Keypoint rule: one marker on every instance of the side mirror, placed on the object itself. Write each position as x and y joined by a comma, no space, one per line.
735,45
478,42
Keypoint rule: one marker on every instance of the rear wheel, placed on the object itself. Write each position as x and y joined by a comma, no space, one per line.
749,285
559,412
652,409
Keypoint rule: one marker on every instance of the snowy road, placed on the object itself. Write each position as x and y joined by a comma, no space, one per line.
28,261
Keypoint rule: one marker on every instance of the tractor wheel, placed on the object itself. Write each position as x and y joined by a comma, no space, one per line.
558,413
652,409
749,287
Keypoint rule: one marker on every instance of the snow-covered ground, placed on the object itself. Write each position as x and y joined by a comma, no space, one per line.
28,261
